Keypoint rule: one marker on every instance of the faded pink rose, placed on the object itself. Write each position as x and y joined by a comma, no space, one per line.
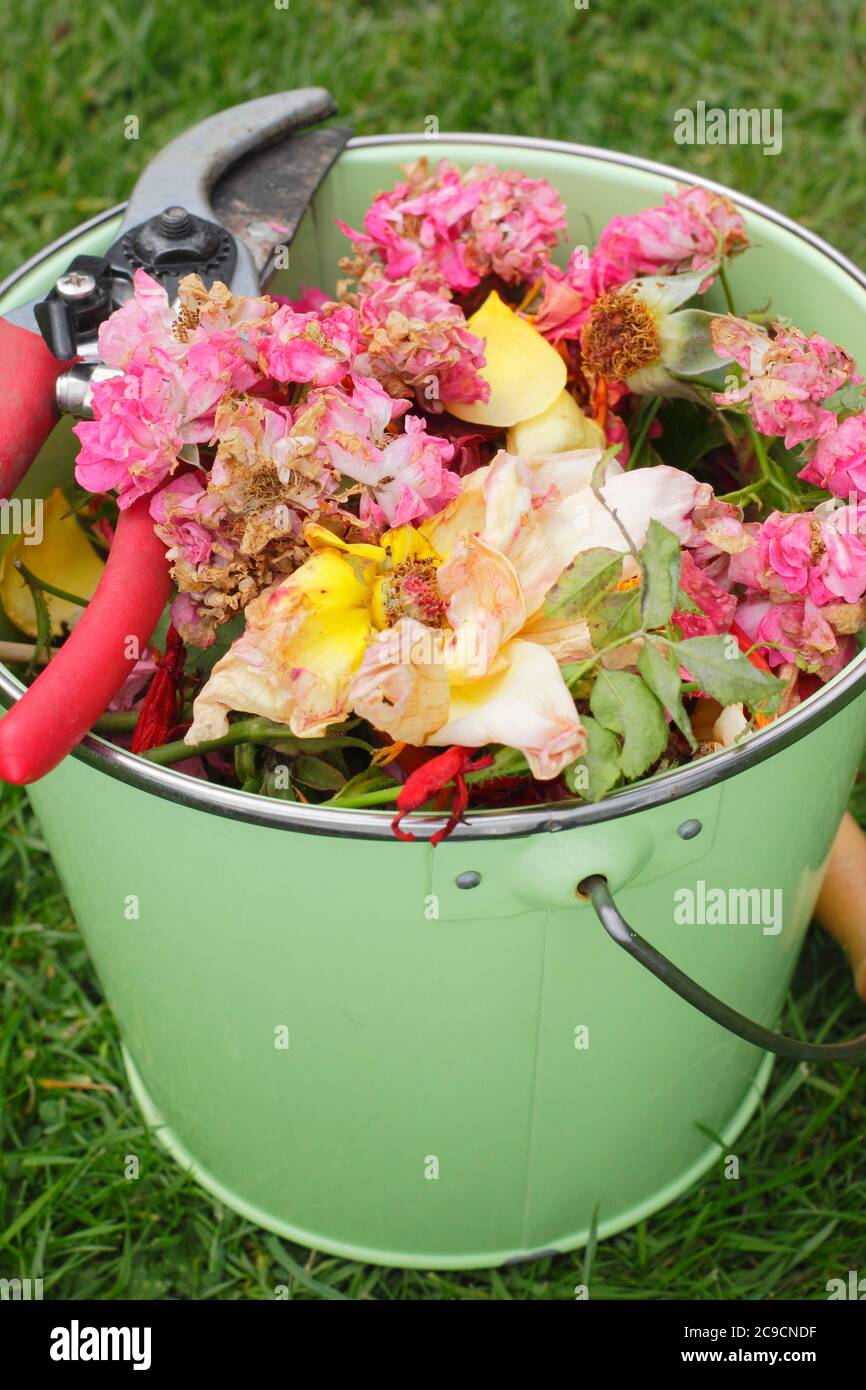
716,604
145,322
133,441
795,632
786,376
447,230
693,230
316,347
810,558
839,460
185,517
414,481
418,342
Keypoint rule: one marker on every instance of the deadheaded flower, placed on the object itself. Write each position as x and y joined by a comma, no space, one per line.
639,334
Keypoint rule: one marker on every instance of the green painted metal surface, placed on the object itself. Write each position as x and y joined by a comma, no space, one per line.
436,1105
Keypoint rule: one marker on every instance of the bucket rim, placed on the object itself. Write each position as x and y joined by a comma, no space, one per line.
361,823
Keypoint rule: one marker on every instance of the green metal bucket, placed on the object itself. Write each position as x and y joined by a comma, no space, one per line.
350,1049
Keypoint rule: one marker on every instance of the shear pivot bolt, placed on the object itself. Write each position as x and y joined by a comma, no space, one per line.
175,221
75,285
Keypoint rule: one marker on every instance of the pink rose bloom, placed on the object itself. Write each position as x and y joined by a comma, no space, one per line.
184,517
785,377
416,341
214,364
810,558
693,230
315,348
133,441
346,432
414,480
839,460
193,620
516,223
795,632
143,323
447,230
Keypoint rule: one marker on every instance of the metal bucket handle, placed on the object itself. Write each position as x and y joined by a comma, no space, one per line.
595,887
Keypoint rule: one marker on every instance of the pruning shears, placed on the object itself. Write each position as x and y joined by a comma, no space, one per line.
218,201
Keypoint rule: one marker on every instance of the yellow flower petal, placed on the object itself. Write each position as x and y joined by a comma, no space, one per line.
525,373
332,638
64,557
562,426
318,536
406,543
304,639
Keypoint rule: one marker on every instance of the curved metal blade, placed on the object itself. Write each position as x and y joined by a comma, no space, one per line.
262,200
185,171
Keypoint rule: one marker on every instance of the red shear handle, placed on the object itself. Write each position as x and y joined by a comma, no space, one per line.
73,690
28,372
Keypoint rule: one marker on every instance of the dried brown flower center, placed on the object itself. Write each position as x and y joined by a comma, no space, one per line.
413,591
621,336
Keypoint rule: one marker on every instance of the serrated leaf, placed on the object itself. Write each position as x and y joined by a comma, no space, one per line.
625,705
590,574
719,667
661,673
614,617
598,771
660,563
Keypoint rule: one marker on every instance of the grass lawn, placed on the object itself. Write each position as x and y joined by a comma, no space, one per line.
611,75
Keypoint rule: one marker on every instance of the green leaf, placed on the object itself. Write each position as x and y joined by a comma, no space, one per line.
614,617
625,705
660,562
316,773
598,771
592,573
720,668
507,762
277,783
661,672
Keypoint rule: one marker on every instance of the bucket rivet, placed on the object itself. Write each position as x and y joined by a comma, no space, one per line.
470,879
689,829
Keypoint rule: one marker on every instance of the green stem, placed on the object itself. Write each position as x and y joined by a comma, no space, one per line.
748,493
640,438
48,588
584,666
251,731
726,289
771,472
116,721
377,798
